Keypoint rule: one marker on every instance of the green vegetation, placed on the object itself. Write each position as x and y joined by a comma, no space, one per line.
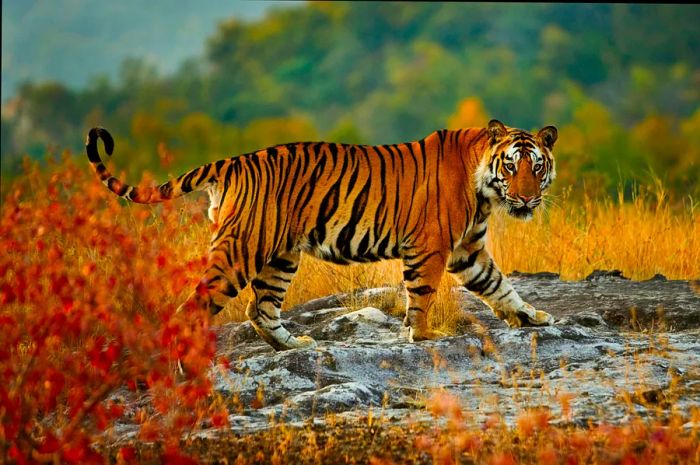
620,81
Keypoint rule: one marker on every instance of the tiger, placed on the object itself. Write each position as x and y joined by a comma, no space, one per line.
424,202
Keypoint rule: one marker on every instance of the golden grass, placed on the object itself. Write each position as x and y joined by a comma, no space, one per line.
641,238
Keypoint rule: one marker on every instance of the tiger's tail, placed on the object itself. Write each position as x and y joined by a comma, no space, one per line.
194,180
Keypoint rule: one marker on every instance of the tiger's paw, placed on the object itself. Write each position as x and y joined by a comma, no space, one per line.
301,342
424,334
529,316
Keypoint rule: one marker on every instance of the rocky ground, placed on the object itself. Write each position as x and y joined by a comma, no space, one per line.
619,347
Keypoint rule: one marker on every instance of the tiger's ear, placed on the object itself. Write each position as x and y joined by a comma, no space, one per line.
548,136
496,130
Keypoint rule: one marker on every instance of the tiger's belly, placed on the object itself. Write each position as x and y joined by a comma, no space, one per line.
349,245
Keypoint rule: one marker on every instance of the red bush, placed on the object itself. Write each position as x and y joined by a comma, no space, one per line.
88,288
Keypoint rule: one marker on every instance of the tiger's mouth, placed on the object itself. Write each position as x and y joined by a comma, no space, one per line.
522,212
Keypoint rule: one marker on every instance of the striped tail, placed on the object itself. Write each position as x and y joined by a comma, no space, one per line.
194,180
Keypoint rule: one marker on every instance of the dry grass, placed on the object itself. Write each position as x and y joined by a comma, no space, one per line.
642,238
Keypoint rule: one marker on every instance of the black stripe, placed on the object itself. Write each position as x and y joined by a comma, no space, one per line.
410,274
477,236
348,232
505,295
421,290
363,246
276,301
262,285
230,290
383,245
479,286
495,288
421,144
186,184
242,281
166,190
462,264
111,184
205,172
266,315
328,207
283,265
214,308
420,262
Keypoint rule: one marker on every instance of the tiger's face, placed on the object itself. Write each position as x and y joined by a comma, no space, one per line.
519,169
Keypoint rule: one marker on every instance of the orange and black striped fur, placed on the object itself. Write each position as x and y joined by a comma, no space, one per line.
425,202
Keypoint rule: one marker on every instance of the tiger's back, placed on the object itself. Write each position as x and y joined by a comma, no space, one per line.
347,203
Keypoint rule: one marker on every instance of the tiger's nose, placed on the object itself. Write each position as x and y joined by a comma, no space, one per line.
526,198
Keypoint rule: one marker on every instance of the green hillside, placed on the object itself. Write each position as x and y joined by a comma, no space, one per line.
73,41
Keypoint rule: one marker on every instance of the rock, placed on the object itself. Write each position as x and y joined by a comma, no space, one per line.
617,346
603,274
364,360
587,319
623,304
540,275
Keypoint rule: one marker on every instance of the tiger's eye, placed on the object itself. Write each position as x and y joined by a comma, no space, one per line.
510,166
538,167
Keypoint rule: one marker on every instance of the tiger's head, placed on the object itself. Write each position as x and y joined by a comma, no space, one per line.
519,167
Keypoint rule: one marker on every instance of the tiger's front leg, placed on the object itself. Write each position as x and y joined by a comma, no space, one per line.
475,269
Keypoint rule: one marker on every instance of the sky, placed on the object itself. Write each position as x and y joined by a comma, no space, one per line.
73,41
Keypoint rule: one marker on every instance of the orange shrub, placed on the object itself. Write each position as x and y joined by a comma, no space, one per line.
87,294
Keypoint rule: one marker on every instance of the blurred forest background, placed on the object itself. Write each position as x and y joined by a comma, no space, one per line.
620,81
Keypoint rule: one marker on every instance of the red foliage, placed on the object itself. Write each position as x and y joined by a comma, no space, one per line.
88,292
533,439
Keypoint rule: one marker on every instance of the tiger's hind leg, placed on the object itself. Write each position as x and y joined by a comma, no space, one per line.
422,273
220,283
269,287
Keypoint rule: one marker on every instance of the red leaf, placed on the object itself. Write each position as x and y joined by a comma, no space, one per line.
7,295
173,457
49,445
127,454
15,454
82,454
219,419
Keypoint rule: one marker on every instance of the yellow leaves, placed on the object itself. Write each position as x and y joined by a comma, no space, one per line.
266,132
643,79
531,421
596,122
659,137
564,399
149,128
443,404
199,127
470,114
